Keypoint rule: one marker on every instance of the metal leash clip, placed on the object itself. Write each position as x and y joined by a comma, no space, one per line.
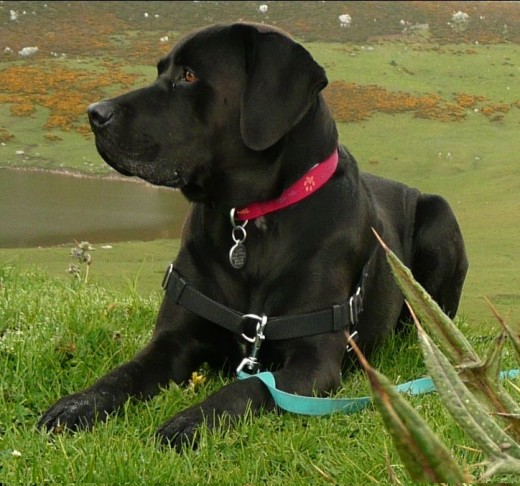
251,362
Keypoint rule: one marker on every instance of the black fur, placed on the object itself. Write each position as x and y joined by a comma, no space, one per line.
250,124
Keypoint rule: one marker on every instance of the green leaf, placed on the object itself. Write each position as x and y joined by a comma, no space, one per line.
479,376
493,362
507,466
423,454
464,407
450,339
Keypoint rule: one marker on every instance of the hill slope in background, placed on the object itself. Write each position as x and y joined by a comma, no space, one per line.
419,97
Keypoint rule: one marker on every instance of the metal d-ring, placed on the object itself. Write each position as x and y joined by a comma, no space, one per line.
260,326
238,233
233,222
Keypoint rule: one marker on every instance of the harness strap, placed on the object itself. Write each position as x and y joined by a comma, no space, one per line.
334,318
323,406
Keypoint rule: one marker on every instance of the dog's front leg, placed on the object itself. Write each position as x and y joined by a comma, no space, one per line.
163,360
224,407
309,369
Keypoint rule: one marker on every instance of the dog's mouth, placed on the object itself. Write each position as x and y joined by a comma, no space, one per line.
142,163
176,181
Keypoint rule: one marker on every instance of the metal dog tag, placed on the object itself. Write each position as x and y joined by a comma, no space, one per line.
238,252
238,255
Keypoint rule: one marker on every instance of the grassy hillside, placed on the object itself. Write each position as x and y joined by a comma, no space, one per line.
58,336
439,110
471,161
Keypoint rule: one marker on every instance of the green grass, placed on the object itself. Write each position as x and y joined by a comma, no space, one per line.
57,336
481,192
423,68
81,155
136,265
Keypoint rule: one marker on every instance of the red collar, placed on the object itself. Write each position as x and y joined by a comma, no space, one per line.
307,185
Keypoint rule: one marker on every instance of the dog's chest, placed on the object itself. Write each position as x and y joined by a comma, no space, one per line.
261,223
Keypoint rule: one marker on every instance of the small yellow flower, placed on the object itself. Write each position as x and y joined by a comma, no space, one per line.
16,453
196,380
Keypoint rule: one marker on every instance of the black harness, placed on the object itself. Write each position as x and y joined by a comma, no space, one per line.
334,318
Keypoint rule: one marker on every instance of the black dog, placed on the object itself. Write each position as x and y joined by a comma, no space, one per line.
235,119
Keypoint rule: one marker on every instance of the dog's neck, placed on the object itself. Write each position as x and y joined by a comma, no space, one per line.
270,173
318,131
303,168
304,187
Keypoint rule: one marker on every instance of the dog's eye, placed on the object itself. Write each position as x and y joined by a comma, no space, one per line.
189,76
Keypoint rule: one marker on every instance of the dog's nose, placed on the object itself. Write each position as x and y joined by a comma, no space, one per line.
100,114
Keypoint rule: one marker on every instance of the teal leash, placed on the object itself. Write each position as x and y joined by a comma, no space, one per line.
323,406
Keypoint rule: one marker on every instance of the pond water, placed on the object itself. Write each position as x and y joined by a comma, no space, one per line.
40,208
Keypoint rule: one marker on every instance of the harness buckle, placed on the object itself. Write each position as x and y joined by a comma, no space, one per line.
251,362
167,275
260,326
355,304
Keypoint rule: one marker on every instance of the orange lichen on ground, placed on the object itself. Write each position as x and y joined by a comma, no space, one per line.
76,27
53,138
469,101
351,102
496,111
119,34
65,91
22,109
5,135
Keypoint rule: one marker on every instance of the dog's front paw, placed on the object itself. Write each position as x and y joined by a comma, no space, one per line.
74,412
181,430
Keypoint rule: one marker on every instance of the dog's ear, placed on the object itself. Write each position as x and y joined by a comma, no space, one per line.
282,82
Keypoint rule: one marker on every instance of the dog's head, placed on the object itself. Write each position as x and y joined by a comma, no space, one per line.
216,117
